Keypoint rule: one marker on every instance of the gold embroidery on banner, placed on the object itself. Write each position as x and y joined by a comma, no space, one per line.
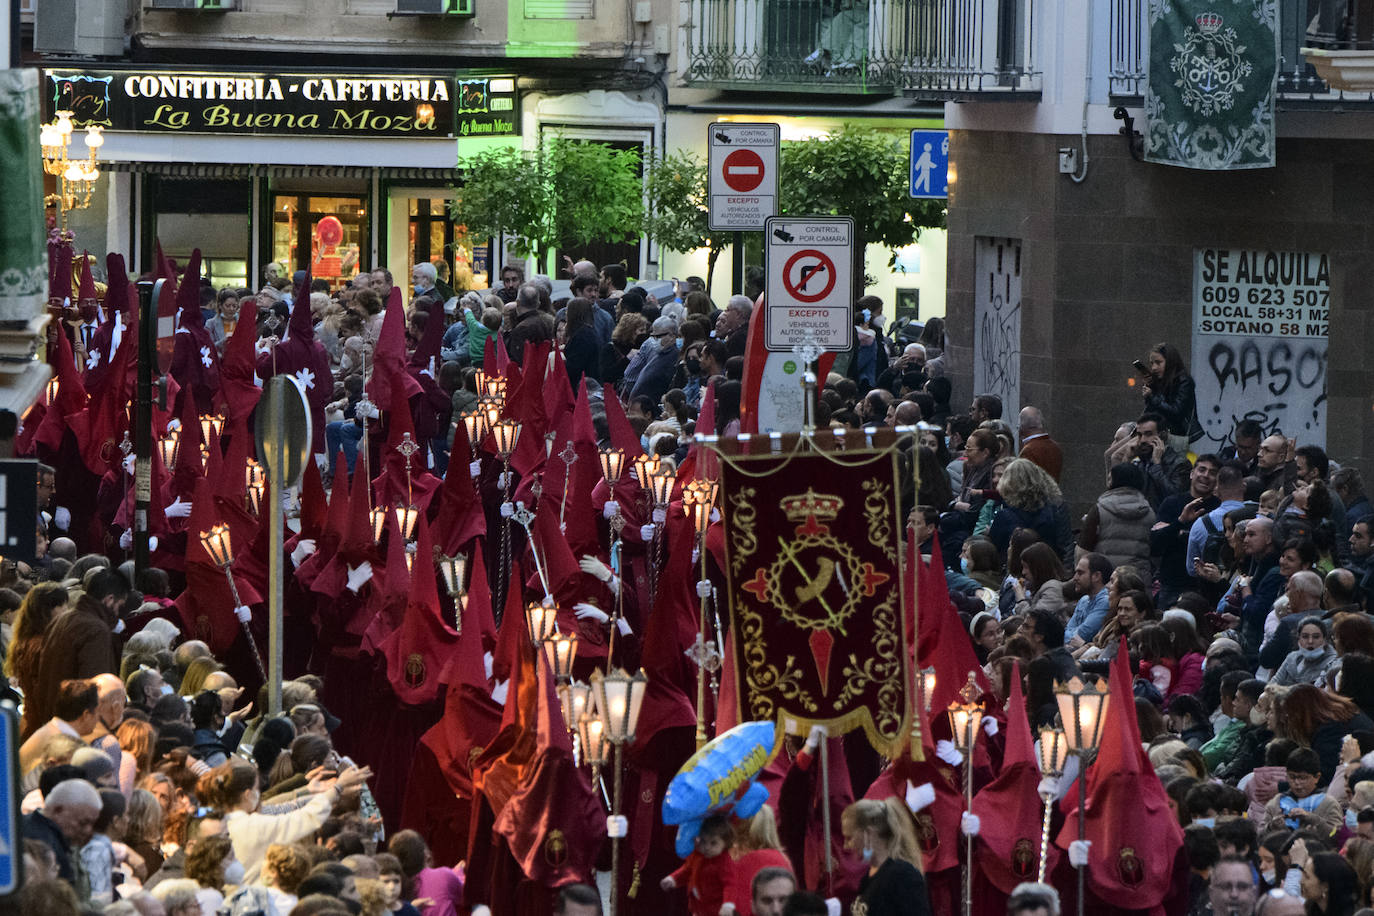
883,668
877,510
742,518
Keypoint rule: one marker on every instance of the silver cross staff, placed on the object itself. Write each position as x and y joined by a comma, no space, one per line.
808,350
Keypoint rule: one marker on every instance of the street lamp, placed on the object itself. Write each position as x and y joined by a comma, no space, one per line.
619,697
455,572
574,697
76,178
1082,709
255,484
927,682
406,517
210,423
965,718
1054,752
220,546
542,620
168,446
561,648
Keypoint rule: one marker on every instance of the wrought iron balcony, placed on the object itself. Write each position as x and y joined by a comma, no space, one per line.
925,48
1299,84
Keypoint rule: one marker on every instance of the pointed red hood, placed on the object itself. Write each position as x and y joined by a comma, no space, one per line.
389,357
207,606
188,296
428,346
942,640
71,398
460,517
415,652
238,367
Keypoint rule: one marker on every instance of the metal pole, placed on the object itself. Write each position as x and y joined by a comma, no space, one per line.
968,806
1082,825
275,472
701,645
148,295
825,812
615,841
738,284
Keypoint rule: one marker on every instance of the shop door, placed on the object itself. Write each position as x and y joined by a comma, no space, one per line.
205,213
324,234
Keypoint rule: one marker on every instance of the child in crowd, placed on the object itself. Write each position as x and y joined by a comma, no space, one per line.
1300,804
708,870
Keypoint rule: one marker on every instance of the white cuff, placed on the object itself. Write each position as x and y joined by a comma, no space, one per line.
617,826
920,797
243,613
660,516
475,468
624,626
507,509
610,509
704,588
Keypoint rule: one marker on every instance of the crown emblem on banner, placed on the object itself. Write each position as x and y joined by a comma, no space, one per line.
821,506
1208,23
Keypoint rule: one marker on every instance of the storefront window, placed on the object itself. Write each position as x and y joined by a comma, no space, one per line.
325,234
209,214
433,237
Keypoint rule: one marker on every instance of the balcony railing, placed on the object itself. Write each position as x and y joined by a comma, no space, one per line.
1298,82
926,48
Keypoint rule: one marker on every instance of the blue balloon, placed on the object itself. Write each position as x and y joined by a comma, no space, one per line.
718,779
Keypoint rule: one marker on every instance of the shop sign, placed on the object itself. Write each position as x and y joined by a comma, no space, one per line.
287,103
1260,320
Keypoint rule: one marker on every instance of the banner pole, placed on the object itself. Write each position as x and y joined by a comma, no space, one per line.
825,814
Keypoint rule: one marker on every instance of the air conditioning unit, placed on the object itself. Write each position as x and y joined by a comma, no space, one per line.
208,6
435,7
78,28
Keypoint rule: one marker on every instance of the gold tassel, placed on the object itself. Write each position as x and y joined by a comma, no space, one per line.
634,883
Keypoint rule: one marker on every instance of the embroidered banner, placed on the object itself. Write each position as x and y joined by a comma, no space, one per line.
1209,103
812,556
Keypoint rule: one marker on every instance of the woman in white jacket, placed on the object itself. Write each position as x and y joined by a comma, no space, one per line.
233,788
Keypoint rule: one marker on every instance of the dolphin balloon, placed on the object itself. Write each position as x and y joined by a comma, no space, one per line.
718,779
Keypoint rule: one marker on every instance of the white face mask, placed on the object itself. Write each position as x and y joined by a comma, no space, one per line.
234,872
1256,717
1268,876
1352,818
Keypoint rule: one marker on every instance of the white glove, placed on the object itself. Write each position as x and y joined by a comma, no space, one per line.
359,575
704,588
304,548
486,664
475,468
623,626
970,824
919,797
503,479
660,516
1078,853
584,611
178,509
481,909
371,411
498,693
990,726
727,909
813,740
617,827
594,567
610,509
129,462
173,424
715,515
1049,787
243,613
152,543
507,509
832,906
646,533
947,752
62,518
126,540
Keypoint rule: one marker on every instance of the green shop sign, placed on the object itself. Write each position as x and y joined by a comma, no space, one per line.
287,103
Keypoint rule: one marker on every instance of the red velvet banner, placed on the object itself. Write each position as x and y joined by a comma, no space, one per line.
815,591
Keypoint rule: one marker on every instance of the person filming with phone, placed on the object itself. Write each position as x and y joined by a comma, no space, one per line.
1170,392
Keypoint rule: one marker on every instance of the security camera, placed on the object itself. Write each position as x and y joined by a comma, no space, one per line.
784,235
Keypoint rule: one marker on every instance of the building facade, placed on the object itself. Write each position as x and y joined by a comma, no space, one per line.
1060,277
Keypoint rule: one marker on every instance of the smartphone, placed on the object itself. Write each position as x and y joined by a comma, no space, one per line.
1140,367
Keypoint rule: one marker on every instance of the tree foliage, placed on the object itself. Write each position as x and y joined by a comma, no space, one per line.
859,173
678,214
565,193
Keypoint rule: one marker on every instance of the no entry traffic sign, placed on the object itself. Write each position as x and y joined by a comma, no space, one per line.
743,170
809,278
743,165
